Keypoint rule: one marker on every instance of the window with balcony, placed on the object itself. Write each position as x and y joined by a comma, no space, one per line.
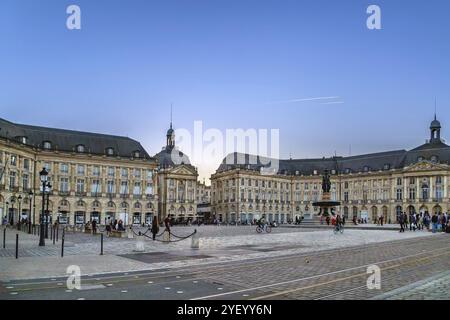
95,187
25,181
124,187
64,185
80,185
110,186
12,180
137,189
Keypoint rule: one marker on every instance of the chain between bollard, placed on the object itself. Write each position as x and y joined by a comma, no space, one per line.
62,242
101,243
4,238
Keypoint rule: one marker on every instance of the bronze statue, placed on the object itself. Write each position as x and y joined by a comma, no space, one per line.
326,183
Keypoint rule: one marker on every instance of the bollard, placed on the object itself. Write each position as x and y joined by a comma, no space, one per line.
4,238
57,233
54,231
17,246
51,232
62,244
195,243
101,243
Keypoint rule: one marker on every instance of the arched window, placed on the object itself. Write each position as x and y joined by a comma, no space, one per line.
124,205
137,205
111,204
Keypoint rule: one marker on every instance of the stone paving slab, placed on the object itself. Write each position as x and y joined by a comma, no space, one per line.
436,287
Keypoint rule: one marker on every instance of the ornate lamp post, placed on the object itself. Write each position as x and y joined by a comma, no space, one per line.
13,201
30,199
19,214
49,186
43,177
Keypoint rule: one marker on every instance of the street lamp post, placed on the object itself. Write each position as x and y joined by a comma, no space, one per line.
19,214
30,199
13,201
47,211
43,176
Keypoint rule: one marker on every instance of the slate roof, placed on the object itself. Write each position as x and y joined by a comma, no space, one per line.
68,140
170,157
367,162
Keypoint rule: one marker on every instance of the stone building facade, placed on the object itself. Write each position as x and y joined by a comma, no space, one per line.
93,176
177,182
368,186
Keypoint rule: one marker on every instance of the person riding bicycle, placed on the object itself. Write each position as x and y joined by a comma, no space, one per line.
262,223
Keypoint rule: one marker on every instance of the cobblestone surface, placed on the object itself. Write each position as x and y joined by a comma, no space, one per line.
434,288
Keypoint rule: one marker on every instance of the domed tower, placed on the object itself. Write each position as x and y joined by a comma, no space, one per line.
170,137
435,130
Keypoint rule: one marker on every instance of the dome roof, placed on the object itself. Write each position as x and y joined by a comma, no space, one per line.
435,124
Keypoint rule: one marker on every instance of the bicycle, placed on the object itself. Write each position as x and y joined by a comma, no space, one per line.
338,228
267,228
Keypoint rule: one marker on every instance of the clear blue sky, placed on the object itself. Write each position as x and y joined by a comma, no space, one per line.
232,64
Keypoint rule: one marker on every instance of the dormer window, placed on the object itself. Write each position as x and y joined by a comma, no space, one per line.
434,159
348,170
23,140
386,166
333,171
419,159
366,168
47,145
80,148
109,151
136,154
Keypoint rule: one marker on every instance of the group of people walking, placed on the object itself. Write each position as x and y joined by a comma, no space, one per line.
438,222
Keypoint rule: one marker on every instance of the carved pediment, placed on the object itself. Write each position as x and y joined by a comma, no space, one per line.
425,166
183,169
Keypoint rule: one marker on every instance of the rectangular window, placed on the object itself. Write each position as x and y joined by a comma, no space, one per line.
64,185
399,194
137,188
438,180
124,187
47,166
26,164
124,173
412,193
12,180
149,174
13,160
64,168
149,189
80,185
399,181
95,187
25,182
96,171
137,173
346,196
110,186
111,172
80,170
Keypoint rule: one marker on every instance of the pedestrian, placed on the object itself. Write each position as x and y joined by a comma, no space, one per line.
401,221
444,222
155,227
434,222
167,223
94,226
108,227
